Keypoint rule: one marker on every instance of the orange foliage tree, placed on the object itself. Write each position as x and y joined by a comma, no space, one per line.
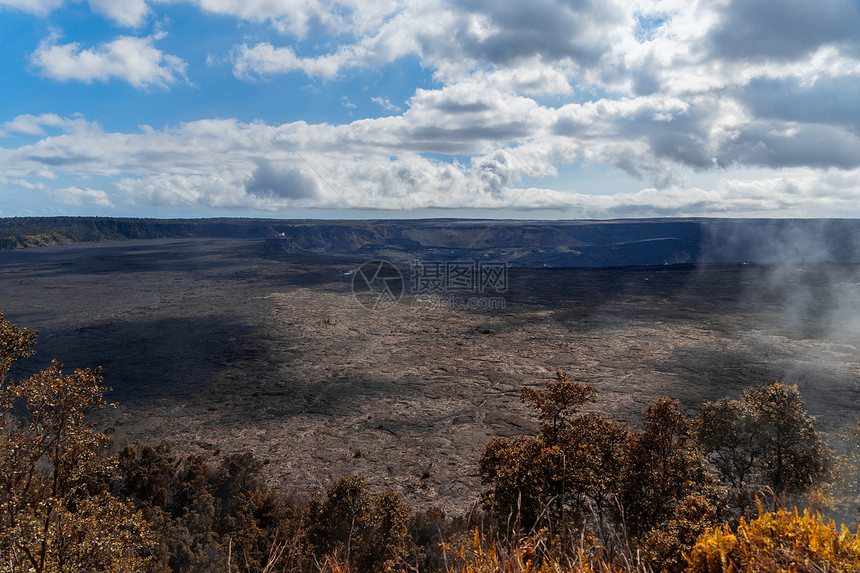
763,440
51,516
663,466
552,479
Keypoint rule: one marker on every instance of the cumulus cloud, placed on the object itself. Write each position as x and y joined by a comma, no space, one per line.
231,165
29,124
455,40
24,183
829,100
808,194
77,196
782,29
468,118
530,77
685,58
129,59
263,59
124,12
661,90
269,181
39,7
384,103
551,29
791,144
293,16
176,190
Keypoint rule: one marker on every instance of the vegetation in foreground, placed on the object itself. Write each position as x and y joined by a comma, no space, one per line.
719,492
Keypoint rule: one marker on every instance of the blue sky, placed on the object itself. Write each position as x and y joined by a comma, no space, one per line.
545,109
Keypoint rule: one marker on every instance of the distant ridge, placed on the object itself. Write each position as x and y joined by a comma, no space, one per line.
18,232
577,243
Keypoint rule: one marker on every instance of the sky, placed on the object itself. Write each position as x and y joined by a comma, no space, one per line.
388,109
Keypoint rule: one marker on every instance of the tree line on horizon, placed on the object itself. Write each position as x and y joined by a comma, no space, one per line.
718,492
21,232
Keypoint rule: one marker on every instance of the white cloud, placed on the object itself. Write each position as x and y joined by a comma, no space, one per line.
29,124
38,7
531,77
263,59
657,89
454,40
172,189
25,183
227,164
549,48
810,193
125,12
292,16
384,103
77,196
130,59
